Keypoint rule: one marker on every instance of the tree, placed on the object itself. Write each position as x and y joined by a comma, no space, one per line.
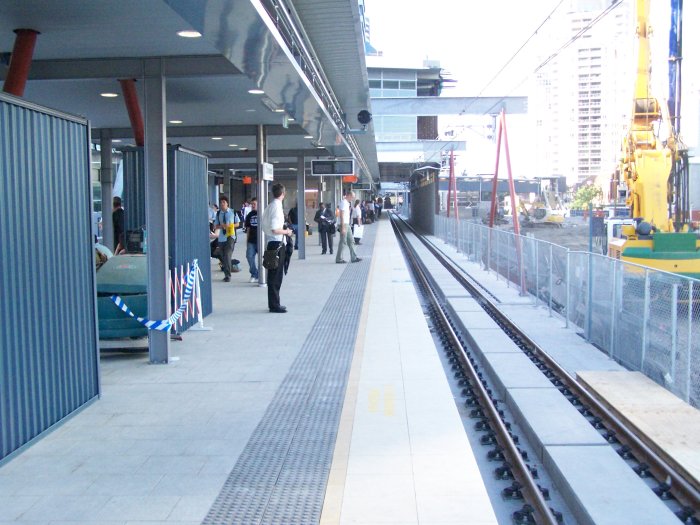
585,195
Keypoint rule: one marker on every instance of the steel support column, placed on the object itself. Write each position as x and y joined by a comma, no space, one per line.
261,156
106,186
156,208
20,62
301,208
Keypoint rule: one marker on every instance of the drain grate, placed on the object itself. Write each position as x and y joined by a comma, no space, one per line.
281,474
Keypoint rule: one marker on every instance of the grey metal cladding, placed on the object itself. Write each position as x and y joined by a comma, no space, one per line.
188,217
48,333
134,195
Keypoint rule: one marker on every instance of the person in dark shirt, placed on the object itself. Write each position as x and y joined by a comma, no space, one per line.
118,225
293,218
251,228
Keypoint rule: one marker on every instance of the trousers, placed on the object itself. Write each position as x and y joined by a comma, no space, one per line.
346,240
251,254
274,278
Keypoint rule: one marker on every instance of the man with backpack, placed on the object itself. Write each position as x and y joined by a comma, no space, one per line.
226,222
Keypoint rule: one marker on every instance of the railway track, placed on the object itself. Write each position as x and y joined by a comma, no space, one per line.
679,493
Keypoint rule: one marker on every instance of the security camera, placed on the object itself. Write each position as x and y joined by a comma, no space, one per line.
364,117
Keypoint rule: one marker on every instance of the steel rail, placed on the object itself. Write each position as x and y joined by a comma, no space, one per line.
521,472
681,489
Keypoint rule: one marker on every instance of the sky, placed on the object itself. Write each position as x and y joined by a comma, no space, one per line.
474,40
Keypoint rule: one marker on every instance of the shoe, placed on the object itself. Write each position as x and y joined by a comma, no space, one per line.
341,262
331,252
253,280
323,253
279,310
356,260
227,279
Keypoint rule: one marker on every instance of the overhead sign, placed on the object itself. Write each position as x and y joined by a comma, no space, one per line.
268,171
337,168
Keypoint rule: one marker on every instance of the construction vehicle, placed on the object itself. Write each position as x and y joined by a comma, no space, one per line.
654,168
547,208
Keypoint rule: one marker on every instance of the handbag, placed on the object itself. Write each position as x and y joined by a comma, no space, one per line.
359,231
271,258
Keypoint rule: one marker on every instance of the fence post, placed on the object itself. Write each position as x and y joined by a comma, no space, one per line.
497,253
568,285
508,260
537,271
551,272
613,310
674,331
589,300
645,318
690,341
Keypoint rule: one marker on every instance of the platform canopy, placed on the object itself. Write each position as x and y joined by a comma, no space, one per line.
312,73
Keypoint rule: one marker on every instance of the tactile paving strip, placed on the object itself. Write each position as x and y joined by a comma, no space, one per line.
281,475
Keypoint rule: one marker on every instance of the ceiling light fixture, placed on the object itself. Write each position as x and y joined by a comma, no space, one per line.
233,145
290,119
278,110
250,111
256,92
175,121
116,140
216,138
109,95
189,34
308,136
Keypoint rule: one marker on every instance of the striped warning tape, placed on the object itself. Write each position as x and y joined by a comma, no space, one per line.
165,324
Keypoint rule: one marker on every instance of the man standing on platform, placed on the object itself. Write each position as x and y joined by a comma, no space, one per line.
118,225
226,222
251,228
275,232
345,230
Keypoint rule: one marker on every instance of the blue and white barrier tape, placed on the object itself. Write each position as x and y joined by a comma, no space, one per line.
164,325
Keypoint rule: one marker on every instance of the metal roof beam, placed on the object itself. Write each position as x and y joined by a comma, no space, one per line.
430,106
180,66
206,131
251,153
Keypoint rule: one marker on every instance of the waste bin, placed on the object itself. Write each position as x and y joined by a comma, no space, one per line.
126,276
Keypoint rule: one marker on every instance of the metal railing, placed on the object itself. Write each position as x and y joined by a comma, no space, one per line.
645,319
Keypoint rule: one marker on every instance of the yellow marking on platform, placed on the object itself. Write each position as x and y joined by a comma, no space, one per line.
388,400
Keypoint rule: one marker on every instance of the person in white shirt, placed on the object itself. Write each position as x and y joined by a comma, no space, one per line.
273,227
356,218
345,231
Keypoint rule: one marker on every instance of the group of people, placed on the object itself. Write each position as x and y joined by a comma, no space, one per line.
225,222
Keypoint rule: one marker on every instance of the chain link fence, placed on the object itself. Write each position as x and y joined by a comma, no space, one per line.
643,318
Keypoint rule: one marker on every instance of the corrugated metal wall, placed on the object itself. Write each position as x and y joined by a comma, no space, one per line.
48,333
134,195
188,209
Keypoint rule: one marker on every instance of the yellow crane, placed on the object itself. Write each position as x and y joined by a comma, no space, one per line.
651,167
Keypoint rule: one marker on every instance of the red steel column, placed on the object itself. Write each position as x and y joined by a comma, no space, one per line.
20,62
131,100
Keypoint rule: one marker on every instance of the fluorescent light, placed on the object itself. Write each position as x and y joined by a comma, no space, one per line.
242,149
233,145
116,140
189,34
109,95
308,136
256,92
292,169
250,111
175,121
290,119
278,110
216,138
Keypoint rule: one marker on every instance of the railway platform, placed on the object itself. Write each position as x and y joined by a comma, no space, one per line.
338,412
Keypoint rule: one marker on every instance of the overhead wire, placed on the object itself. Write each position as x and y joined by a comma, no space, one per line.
613,5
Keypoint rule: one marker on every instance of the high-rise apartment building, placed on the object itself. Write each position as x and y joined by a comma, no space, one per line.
581,99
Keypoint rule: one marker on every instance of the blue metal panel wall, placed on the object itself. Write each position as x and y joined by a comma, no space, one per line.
48,333
134,195
189,218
